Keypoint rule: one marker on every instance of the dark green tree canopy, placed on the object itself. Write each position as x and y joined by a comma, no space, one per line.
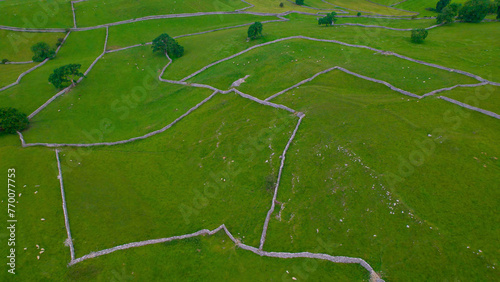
42,51
447,16
299,2
255,30
65,74
474,11
11,120
441,4
165,44
329,19
418,35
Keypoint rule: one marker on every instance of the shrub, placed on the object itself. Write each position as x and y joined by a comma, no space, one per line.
358,14
11,120
255,30
4,61
447,16
418,35
282,5
299,2
473,11
441,4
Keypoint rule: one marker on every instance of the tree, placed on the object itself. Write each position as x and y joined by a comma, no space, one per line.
329,19
166,44
358,14
11,120
299,2
441,4
42,51
498,11
62,75
473,11
446,16
255,30
418,35
282,5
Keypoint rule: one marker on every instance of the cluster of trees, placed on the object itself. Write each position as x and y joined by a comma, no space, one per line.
12,120
473,11
255,30
329,19
165,44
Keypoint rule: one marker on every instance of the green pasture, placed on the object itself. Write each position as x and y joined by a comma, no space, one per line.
90,13
16,46
405,184
36,13
34,89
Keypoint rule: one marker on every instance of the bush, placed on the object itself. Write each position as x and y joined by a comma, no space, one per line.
418,35
299,2
474,11
42,51
4,61
441,4
447,16
358,14
11,120
282,5
255,30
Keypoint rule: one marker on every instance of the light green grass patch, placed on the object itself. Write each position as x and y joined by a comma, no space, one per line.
10,73
337,188
37,196
484,97
146,31
90,13
208,169
213,258
36,14
107,107
366,6
275,67
16,46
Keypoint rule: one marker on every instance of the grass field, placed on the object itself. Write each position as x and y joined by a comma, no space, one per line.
36,14
90,13
352,202
16,46
406,184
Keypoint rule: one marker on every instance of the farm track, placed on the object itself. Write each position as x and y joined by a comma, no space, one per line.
259,251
